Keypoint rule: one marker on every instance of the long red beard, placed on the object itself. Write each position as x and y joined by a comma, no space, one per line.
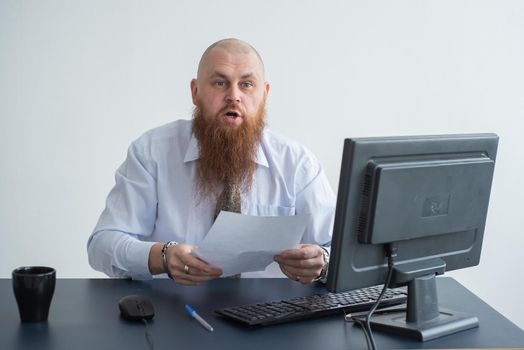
226,151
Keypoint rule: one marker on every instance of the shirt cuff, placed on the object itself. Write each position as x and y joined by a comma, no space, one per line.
136,259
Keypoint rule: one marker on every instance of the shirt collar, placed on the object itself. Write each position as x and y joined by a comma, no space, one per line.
192,152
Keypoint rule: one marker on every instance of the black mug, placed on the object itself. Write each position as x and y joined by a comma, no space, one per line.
34,287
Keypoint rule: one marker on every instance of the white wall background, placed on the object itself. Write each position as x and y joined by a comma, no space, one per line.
79,80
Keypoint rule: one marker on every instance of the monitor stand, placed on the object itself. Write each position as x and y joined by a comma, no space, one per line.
423,319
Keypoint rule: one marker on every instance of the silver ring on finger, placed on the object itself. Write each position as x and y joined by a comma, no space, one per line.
186,269
297,278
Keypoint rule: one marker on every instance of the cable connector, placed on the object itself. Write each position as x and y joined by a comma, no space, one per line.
391,252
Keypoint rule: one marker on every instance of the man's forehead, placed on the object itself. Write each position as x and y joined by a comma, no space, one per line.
231,53
224,63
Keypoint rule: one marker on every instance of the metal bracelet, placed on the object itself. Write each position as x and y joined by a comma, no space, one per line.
323,273
164,257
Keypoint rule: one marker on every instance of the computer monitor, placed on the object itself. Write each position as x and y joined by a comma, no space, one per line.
425,197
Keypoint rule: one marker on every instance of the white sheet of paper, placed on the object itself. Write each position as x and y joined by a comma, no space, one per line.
241,243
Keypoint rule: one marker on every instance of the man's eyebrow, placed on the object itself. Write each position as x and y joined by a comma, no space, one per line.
217,74
248,76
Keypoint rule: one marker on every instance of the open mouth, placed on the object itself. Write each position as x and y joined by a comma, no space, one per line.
231,115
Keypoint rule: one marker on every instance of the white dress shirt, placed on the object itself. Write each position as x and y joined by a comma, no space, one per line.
154,199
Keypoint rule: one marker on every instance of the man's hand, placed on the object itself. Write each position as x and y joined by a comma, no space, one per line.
302,264
187,269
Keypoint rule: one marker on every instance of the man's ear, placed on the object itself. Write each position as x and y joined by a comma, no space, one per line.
193,86
266,88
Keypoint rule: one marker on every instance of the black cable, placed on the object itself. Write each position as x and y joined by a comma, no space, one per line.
149,338
365,324
370,313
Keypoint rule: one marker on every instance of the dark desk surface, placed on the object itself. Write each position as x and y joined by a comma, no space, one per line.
84,315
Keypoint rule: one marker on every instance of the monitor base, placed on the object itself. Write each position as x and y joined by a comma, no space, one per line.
447,322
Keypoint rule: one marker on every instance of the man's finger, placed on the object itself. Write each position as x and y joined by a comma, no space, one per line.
302,264
294,272
288,274
298,276
304,252
195,263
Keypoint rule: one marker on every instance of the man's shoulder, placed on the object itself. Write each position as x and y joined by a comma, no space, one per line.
285,149
178,129
282,144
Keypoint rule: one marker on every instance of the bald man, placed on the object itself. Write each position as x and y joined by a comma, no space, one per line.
178,177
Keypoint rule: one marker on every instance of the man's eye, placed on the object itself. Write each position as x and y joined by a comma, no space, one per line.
246,85
219,83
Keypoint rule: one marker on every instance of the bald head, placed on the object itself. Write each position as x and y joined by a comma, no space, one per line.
232,46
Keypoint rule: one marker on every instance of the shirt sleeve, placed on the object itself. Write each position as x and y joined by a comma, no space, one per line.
116,246
316,199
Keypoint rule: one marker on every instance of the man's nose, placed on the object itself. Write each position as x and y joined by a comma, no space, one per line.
233,94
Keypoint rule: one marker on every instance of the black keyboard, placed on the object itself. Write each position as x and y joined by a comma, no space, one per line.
263,314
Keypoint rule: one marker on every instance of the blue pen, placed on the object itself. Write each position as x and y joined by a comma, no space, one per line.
196,316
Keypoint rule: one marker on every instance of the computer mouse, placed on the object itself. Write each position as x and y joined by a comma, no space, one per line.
136,308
